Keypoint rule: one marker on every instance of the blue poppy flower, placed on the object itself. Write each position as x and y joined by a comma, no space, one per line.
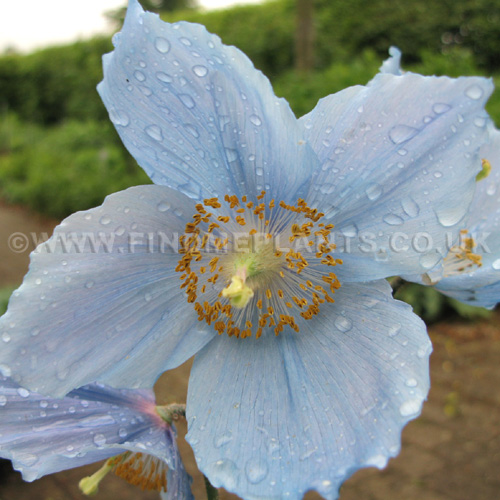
306,369
472,266
45,435
470,271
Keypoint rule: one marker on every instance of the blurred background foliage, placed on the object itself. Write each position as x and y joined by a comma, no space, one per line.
59,152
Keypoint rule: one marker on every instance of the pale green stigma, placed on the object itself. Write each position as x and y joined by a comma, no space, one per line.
485,171
238,293
90,485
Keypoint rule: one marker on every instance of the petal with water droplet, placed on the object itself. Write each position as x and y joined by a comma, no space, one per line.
310,399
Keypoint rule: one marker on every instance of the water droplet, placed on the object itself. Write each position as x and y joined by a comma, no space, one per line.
231,155
192,130
373,191
100,439
327,188
479,121
154,131
89,284
5,337
256,470
119,117
178,212
200,71
185,41
438,174
410,207
226,469
491,189
450,216
187,100
394,330
402,133
162,45
255,120
402,152
3,400
163,77
139,76
24,393
122,432
410,407
223,439
474,92
163,206
393,219
105,220
350,231
496,265
429,260
377,461
440,108
259,171
343,324
411,382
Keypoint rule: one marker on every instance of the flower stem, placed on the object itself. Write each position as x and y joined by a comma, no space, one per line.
171,412
212,492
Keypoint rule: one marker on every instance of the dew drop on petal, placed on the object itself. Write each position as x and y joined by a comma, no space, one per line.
327,188
402,133
154,131
410,407
440,108
231,155
256,120
192,130
223,439
479,121
256,470
429,260
119,117
100,439
5,337
343,324
450,216
3,400
411,382
393,219
373,191
24,393
163,77
139,76
410,207
394,330
474,92
122,432
162,45
187,100
163,206
496,265
105,220
200,71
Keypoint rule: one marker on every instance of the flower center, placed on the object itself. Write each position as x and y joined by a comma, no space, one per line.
247,266
143,470
461,257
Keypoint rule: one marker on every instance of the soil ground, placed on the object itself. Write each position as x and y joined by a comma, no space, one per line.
452,452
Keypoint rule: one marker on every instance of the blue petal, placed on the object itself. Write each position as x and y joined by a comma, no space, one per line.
393,64
277,416
399,159
112,313
43,435
481,287
196,115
